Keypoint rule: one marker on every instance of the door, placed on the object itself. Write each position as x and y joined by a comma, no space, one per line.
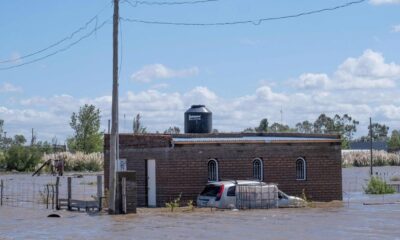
151,183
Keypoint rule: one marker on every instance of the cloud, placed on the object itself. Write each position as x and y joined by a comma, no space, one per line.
158,71
8,88
313,80
368,71
396,28
384,2
352,89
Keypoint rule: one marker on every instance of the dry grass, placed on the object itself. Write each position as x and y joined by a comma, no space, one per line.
78,161
362,158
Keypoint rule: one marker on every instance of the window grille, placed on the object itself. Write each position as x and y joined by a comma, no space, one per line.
301,169
212,170
258,169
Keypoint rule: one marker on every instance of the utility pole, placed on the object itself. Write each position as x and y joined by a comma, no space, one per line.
33,138
370,140
109,126
114,140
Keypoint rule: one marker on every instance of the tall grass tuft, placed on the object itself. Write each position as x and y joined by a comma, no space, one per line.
78,161
377,186
362,158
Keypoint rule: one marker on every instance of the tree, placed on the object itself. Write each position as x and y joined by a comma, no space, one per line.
19,140
138,126
249,130
277,127
263,127
86,125
172,130
304,127
394,141
379,131
323,124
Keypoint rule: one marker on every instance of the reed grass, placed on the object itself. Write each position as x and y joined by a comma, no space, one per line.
362,158
78,161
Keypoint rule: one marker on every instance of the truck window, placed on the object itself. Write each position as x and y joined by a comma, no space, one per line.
231,191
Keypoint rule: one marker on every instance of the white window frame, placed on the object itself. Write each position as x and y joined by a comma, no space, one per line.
261,166
304,169
216,170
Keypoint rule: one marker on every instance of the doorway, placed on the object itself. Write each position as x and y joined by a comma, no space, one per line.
151,183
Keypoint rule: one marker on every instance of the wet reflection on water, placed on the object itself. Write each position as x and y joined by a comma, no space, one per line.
348,220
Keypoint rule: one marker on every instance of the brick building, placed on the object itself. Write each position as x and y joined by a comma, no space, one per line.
170,165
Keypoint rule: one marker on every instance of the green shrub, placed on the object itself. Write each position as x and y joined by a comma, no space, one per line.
174,203
378,186
21,158
2,160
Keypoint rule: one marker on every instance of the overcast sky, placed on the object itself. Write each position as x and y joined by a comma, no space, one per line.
344,61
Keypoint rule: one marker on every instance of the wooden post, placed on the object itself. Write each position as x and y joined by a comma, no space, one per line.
370,133
100,191
69,192
57,192
47,196
52,196
1,192
114,141
123,195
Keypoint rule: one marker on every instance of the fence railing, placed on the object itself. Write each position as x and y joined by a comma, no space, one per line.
51,192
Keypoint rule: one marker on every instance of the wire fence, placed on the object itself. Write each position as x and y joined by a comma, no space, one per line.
258,196
43,192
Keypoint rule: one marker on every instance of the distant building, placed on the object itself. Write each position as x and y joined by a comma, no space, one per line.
376,145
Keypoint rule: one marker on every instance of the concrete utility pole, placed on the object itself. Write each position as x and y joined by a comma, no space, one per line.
370,140
114,140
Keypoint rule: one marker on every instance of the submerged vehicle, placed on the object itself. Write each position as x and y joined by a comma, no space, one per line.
244,194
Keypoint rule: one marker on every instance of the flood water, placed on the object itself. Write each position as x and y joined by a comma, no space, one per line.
350,219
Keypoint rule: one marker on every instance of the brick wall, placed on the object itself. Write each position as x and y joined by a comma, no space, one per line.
183,168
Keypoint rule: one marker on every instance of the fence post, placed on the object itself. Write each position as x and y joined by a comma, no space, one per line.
100,191
123,194
47,196
69,192
1,192
57,191
52,196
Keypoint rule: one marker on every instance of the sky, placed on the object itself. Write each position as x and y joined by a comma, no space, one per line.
337,62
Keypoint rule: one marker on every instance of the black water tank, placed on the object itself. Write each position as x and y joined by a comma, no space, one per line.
198,119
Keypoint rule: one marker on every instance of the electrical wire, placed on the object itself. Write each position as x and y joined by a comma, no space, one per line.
136,3
254,22
69,37
94,30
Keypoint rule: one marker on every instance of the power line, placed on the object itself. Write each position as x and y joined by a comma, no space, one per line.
254,22
69,37
94,30
137,3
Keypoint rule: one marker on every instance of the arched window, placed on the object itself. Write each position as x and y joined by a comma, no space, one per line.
301,169
258,169
212,170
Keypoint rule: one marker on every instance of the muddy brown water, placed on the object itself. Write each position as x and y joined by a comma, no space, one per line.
350,219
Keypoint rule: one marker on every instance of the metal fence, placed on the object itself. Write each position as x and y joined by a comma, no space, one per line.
258,196
22,190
